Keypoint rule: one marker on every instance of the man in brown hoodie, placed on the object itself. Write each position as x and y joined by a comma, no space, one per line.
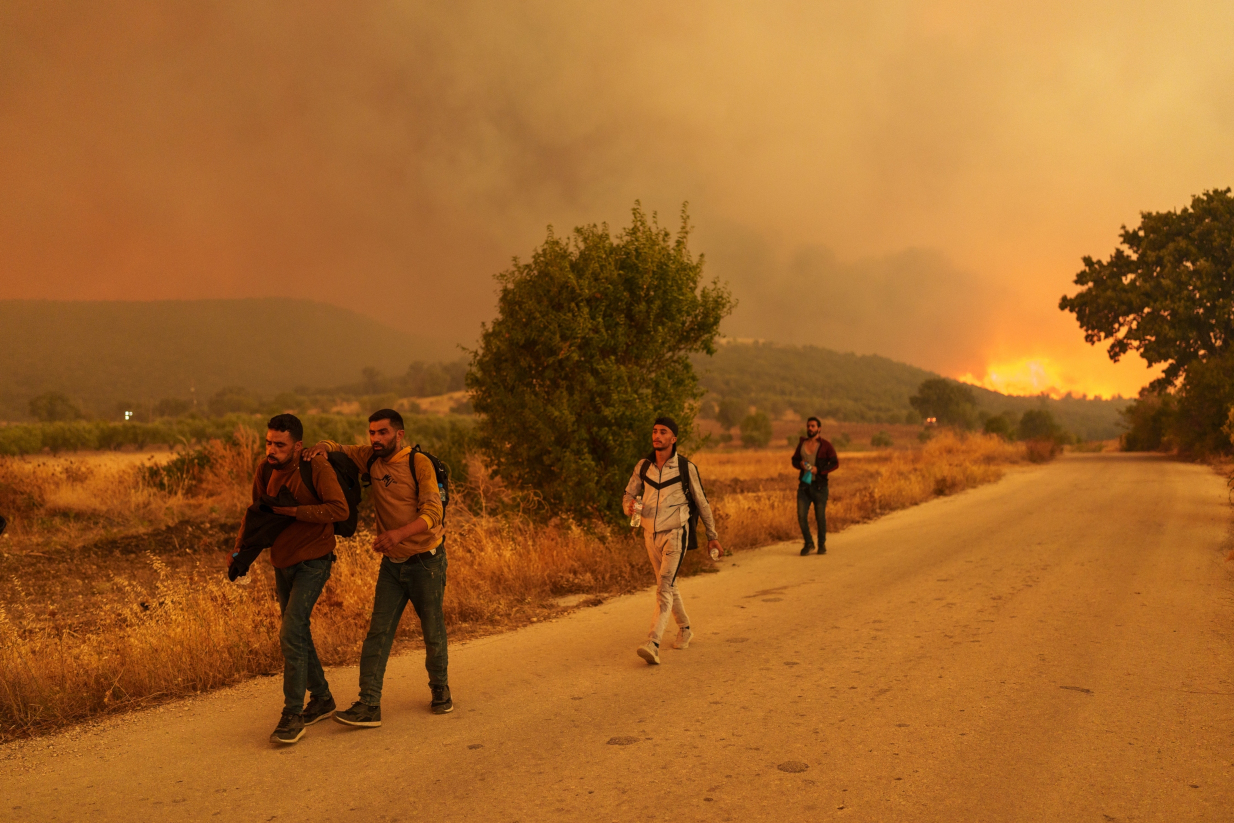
410,535
301,556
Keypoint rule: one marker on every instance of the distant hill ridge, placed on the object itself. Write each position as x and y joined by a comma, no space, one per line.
865,387
101,353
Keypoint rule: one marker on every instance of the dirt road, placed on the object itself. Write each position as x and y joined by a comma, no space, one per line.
1054,647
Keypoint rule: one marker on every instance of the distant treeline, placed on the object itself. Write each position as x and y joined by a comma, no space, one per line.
372,391
103,354
447,437
809,380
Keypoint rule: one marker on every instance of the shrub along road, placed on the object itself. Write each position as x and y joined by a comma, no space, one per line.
1055,646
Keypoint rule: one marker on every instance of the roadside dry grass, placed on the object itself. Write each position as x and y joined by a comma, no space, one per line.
116,598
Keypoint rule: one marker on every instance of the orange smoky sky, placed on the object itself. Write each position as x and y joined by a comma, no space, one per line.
917,180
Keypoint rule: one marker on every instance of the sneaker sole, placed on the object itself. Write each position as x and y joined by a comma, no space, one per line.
442,710
275,739
360,724
319,718
646,654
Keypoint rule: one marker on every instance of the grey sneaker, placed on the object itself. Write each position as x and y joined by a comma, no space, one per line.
360,714
289,730
318,709
683,638
650,652
442,704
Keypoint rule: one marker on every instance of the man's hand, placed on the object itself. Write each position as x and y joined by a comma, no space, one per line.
388,540
287,511
314,451
715,544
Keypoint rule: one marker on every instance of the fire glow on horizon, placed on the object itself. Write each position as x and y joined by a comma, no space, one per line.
1032,376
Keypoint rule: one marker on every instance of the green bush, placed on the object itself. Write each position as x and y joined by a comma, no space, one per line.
881,440
591,343
20,439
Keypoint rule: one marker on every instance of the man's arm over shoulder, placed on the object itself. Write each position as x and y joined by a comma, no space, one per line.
633,489
358,454
333,506
428,502
700,500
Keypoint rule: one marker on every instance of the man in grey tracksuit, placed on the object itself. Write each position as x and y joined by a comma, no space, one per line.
666,517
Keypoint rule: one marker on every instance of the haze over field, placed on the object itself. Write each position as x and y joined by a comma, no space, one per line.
917,180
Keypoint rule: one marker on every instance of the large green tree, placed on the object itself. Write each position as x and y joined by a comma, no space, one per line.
1168,292
948,402
591,343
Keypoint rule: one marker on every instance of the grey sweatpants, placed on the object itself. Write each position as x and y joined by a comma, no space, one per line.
666,550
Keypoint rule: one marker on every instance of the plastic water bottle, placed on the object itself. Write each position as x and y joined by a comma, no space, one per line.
715,554
636,513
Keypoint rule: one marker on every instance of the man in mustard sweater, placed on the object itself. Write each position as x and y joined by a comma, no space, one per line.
413,568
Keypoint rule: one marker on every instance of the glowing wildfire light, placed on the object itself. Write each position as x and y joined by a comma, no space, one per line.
1028,375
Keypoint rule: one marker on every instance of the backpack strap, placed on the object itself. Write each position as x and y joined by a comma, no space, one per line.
366,479
411,467
687,485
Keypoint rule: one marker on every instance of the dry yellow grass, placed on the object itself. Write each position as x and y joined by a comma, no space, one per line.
179,627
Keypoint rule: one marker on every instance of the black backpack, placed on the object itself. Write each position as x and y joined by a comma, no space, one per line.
348,475
687,487
439,468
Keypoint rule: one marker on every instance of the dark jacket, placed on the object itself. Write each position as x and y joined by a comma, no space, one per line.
827,459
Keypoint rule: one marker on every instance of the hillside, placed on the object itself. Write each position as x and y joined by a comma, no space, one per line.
103,353
864,388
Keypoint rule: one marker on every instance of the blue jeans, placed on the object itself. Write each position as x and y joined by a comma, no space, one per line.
807,494
420,580
298,588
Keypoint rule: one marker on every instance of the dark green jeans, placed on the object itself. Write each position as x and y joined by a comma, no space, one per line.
421,580
297,588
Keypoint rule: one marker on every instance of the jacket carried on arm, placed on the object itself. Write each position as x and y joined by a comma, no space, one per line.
826,459
399,497
665,508
291,540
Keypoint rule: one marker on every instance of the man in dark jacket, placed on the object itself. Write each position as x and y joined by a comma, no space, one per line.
301,553
815,458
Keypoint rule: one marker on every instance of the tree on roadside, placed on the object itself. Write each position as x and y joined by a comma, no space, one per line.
949,402
1167,293
1038,424
591,343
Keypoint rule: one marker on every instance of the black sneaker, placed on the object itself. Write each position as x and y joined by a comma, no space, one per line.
806,549
318,709
289,730
822,549
442,704
360,714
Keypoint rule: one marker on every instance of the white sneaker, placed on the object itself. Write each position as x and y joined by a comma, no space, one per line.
650,652
683,639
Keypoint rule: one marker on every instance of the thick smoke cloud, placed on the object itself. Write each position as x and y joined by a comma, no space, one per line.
955,160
